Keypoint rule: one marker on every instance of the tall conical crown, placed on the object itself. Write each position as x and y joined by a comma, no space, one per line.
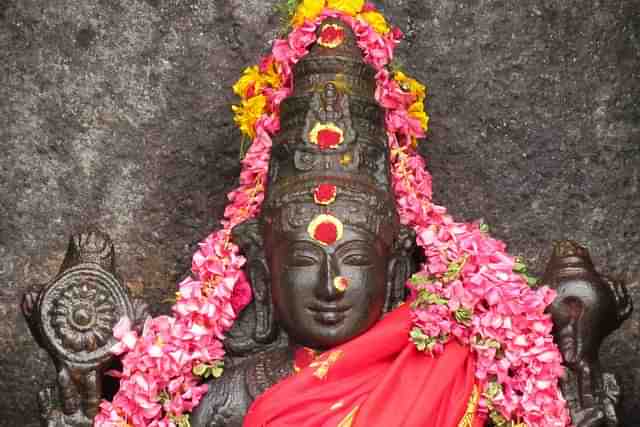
332,133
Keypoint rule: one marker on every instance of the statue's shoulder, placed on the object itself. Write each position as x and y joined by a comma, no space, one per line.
229,397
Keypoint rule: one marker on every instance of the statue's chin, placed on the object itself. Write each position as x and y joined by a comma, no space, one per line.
325,331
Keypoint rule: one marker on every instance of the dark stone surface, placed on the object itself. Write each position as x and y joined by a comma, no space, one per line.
117,113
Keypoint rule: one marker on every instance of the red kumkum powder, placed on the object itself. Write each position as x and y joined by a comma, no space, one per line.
325,194
341,283
331,36
326,232
328,138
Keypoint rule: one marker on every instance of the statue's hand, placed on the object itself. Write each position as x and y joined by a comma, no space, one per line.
28,304
624,303
48,401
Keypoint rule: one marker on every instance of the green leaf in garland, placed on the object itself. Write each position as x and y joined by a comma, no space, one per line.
429,298
493,344
164,397
498,420
205,370
520,267
244,146
420,279
463,316
180,420
199,370
493,390
286,9
217,369
454,269
422,341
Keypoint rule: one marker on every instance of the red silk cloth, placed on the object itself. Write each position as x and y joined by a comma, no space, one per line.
379,378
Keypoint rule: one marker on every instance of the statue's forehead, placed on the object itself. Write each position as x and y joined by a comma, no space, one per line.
352,235
295,218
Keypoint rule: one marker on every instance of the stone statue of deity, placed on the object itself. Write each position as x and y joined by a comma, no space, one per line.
328,260
329,171
326,337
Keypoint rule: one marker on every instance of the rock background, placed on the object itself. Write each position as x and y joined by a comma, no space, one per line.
117,113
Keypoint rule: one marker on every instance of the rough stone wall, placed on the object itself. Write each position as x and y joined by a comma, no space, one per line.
117,113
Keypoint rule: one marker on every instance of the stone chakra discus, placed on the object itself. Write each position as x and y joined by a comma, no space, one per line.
79,311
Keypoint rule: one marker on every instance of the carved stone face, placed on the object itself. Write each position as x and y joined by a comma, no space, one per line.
308,304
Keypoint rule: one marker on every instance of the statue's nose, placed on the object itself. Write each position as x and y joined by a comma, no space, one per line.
326,289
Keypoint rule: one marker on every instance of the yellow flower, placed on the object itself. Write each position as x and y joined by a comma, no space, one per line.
307,10
377,21
247,114
411,85
271,76
350,7
250,76
417,111
253,79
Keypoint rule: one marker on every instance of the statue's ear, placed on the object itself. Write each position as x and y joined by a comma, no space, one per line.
256,324
248,236
401,267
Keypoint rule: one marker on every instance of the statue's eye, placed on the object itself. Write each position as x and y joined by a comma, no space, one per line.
357,259
301,261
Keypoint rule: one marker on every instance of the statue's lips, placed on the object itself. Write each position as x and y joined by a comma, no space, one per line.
328,314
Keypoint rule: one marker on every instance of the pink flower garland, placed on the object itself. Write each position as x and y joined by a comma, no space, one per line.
163,368
467,289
